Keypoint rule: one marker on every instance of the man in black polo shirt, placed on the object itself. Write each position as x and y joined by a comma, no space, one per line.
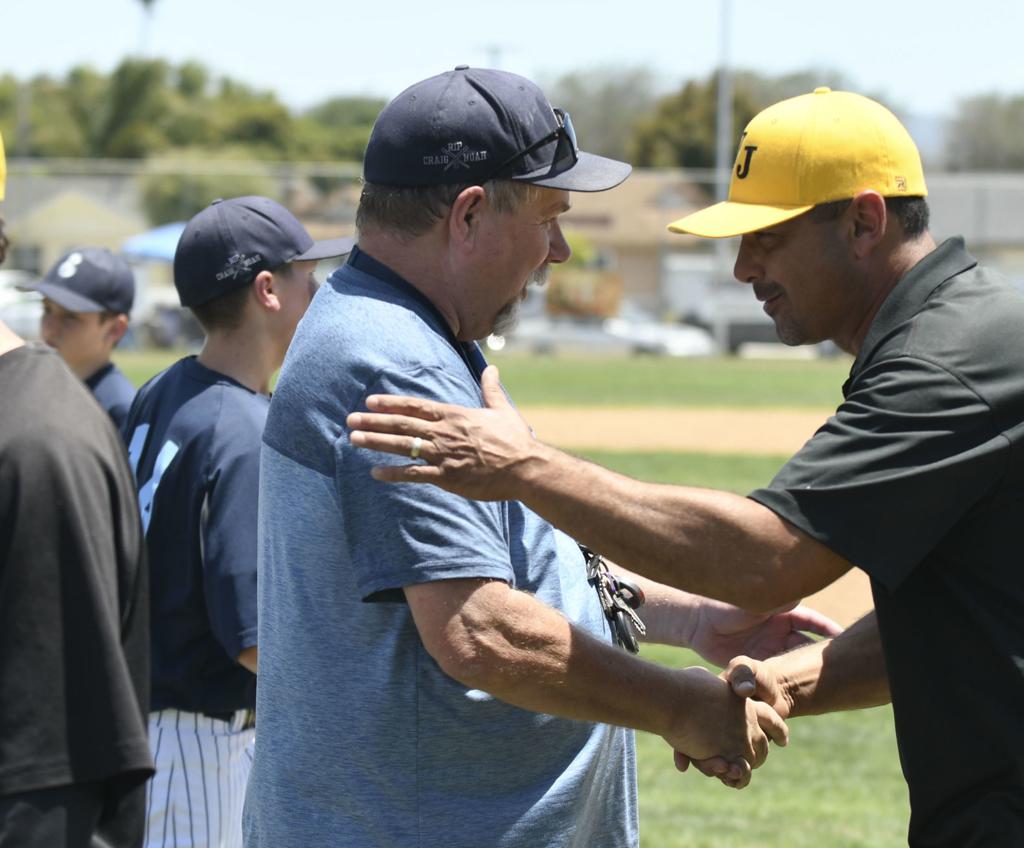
918,478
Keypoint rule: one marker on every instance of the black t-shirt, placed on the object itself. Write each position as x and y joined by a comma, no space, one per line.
919,480
194,443
74,637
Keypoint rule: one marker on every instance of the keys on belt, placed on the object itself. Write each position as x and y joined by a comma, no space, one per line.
620,599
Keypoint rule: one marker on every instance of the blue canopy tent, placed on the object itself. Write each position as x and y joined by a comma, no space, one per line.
156,244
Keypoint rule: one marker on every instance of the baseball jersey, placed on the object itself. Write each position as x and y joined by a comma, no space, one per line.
113,391
193,441
918,479
364,740
74,635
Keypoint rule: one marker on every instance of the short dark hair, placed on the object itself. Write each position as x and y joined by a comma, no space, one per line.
412,210
911,212
225,312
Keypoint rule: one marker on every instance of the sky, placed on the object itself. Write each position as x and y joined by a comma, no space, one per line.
921,57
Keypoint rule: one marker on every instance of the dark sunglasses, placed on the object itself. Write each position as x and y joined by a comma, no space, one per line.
567,151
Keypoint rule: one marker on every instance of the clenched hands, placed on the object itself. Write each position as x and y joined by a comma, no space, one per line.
726,734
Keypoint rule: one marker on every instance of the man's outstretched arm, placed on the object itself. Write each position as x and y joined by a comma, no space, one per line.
708,542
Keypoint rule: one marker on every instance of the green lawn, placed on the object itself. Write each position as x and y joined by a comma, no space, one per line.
633,381
740,474
837,785
140,365
663,381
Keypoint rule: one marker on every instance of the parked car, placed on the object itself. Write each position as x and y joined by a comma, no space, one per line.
631,333
20,310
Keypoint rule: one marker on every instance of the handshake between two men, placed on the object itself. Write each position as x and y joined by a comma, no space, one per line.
526,653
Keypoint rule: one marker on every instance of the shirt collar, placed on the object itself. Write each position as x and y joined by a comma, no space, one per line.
912,291
93,380
469,351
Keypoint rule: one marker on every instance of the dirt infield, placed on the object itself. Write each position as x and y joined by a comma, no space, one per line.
724,431
742,431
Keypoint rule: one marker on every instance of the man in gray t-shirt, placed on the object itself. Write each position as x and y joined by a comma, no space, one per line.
434,670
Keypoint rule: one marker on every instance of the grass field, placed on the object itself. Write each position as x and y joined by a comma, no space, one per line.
838,784
633,381
652,381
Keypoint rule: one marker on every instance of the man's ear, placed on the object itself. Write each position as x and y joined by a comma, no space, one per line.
868,221
117,326
264,287
464,216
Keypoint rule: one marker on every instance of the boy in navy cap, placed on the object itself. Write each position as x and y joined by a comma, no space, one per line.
87,297
245,268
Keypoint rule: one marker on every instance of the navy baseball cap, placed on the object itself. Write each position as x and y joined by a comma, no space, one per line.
226,245
88,279
471,125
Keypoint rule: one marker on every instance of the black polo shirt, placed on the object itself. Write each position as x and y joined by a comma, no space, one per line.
918,479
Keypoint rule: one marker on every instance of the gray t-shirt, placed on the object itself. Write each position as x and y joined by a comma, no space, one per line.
363,740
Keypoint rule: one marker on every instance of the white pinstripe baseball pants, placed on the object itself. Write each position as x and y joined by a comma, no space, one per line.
202,765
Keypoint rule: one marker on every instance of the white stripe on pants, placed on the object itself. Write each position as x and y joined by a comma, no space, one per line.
202,765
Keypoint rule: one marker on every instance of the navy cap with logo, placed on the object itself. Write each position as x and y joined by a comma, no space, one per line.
471,125
226,245
88,279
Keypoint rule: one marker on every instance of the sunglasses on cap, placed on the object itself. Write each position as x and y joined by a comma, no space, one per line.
566,154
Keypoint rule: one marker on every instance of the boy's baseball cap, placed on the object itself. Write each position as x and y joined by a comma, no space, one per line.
811,149
226,245
88,279
471,125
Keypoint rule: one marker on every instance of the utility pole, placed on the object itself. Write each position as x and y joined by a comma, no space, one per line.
724,155
495,52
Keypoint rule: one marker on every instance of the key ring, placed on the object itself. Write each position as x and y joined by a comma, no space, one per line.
619,597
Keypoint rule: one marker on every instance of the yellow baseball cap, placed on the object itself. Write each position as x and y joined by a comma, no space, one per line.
811,149
3,168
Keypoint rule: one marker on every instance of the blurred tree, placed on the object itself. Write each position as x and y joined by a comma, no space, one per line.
193,80
339,128
347,112
261,124
680,132
605,104
173,196
52,129
130,120
987,134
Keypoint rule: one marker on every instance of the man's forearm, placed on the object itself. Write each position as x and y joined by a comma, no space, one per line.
522,651
844,673
509,644
669,614
707,542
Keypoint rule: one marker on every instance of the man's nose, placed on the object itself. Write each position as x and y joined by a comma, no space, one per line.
748,268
